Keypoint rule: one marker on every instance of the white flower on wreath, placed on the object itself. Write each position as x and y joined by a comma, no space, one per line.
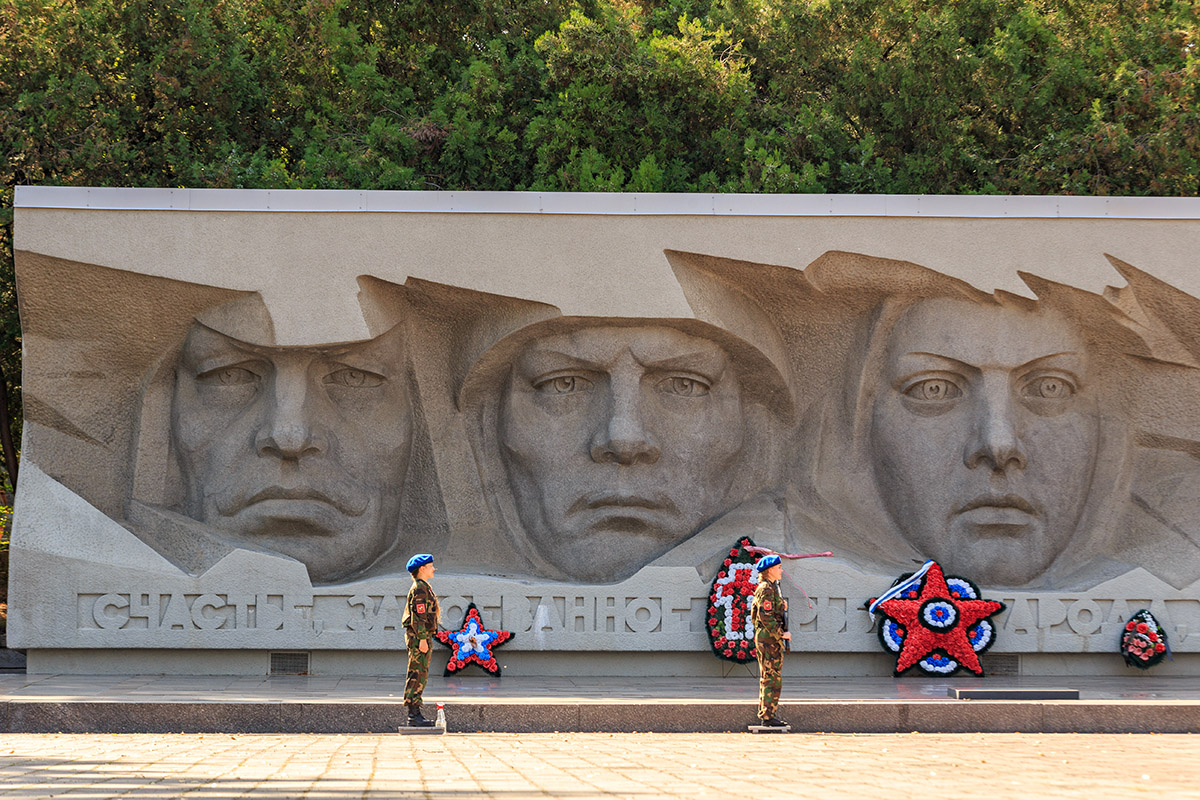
472,640
726,601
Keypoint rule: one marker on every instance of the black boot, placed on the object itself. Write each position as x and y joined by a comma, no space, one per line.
415,720
774,722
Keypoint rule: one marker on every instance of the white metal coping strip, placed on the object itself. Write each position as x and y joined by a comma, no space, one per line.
751,205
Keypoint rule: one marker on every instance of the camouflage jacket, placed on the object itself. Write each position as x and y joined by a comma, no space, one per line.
767,610
421,612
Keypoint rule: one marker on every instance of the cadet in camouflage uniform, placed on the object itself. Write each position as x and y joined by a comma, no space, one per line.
767,614
420,622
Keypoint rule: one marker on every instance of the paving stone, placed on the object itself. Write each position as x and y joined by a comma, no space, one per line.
584,765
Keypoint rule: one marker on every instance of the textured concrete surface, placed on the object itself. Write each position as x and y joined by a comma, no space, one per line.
534,667
589,409
1132,688
148,704
576,766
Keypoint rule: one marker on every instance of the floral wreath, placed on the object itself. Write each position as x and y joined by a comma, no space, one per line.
1144,641
472,643
730,630
935,623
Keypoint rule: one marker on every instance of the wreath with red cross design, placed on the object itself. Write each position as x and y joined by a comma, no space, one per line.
730,631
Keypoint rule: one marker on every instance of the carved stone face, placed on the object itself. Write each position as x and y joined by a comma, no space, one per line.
984,437
619,443
300,451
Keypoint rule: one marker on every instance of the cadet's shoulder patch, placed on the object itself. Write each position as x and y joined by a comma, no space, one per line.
420,608
767,605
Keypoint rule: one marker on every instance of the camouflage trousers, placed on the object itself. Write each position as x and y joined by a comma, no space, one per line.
770,671
418,671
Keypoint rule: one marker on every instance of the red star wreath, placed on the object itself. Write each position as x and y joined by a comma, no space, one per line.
935,623
730,631
472,644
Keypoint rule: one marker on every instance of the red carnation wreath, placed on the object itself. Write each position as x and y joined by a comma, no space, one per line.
473,643
730,631
936,623
1144,641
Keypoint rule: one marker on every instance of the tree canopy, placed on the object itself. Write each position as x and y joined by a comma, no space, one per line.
878,96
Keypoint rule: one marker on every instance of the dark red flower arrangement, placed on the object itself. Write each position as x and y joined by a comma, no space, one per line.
727,621
1144,641
472,644
937,624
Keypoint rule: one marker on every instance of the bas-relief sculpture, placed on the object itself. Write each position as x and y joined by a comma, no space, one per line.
618,440
994,433
297,451
984,434
618,444
311,453
1073,526
578,475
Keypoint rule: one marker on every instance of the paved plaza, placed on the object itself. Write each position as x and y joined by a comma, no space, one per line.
580,765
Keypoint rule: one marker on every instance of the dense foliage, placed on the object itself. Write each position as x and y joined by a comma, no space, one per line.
948,96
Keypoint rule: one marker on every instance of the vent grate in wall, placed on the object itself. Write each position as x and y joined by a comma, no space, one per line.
1000,664
289,663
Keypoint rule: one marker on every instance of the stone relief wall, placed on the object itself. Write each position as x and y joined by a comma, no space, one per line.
189,481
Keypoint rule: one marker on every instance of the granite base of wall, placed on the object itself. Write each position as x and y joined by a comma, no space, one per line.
11,660
706,717
558,664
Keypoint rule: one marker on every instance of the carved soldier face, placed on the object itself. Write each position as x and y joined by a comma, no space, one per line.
619,443
984,437
300,451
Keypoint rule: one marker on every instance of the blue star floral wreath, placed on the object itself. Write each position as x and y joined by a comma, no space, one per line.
730,631
472,643
935,623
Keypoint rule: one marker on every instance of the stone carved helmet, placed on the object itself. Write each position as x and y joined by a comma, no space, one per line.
157,505
754,357
848,474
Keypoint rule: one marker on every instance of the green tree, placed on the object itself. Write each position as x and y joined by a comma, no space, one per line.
954,96
628,100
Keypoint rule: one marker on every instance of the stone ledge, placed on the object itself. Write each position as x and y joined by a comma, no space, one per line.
1012,693
17,716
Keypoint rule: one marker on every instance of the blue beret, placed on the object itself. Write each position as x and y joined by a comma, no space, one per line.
418,561
768,561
